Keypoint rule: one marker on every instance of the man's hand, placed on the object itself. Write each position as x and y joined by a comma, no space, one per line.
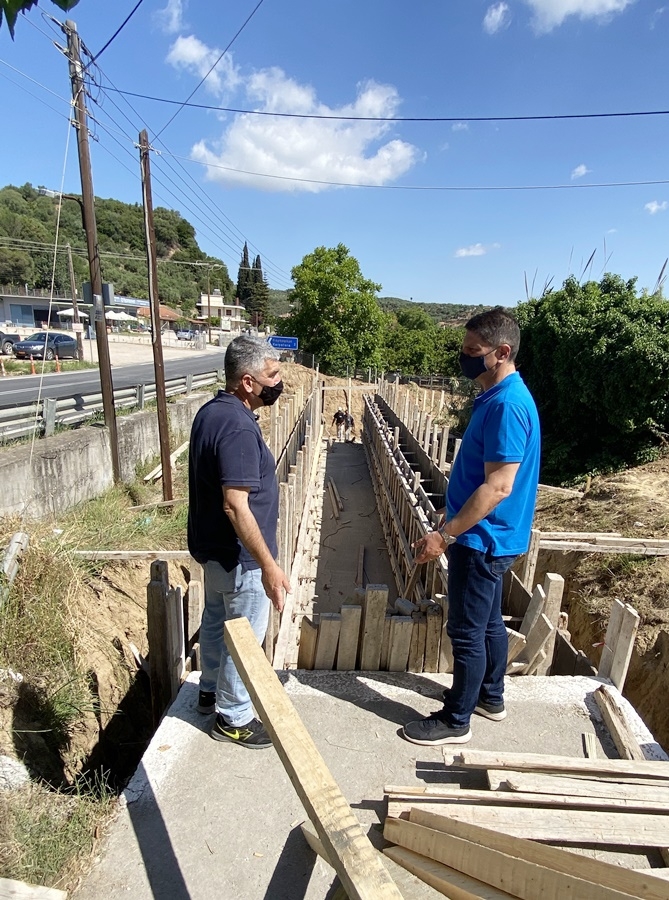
431,546
275,582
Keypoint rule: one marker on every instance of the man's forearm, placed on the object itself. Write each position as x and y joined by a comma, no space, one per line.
484,499
248,532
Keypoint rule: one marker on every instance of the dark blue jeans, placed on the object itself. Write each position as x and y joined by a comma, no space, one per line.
476,630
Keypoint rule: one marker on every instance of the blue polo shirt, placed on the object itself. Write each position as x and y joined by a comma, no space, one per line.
227,449
504,427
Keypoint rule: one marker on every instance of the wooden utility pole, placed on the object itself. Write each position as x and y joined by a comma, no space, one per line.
75,317
90,226
158,365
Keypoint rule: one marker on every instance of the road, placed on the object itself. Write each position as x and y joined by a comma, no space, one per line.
16,391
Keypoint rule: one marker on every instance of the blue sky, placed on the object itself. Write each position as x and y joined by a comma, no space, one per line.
380,58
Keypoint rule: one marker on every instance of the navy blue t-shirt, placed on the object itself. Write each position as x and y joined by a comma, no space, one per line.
227,450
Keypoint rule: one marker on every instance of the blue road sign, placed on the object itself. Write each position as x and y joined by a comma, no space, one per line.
282,343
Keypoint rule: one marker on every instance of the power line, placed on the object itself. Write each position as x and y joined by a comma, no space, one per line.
447,119
202,80
115,34
425,187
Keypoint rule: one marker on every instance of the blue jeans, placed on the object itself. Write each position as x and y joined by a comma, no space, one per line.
229,595
476,630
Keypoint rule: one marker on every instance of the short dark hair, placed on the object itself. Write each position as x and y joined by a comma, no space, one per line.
496,326
246,355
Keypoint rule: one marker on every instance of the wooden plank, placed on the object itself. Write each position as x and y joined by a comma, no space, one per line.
529,782
614,719
376,601
578,535
449,882
400,640
537,638
336,494
554,590
590,745
517,597
345,843
516,644
534,610
329,626
21,890
444,799
611,639
608,875
530,561
538,762
636,547
656,873
349,637
521,878
385,644
410,886
306,655
131,554
360,571
591,782
540,658
163,675
333,501
624,646
445,647
417,645
434,623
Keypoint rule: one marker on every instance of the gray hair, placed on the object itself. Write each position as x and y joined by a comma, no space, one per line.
246,355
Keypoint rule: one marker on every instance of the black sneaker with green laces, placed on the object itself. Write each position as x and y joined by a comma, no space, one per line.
251,735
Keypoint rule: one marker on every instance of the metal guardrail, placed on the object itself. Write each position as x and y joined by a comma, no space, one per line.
43,416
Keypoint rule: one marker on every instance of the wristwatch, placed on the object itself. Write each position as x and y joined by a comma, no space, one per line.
448,538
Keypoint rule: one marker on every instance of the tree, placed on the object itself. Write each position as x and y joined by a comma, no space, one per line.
11,9
596,358
244,278
336,315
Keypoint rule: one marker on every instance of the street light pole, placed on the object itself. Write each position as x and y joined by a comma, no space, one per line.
90,226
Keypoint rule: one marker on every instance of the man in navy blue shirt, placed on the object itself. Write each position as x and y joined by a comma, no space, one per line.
490,504
232,518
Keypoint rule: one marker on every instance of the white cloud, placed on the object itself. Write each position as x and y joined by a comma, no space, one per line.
472,250
548,14
656,206
460,126
170,18
190,54
318,149
579,171
496,18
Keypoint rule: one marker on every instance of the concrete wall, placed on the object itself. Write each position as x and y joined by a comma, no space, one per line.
63,470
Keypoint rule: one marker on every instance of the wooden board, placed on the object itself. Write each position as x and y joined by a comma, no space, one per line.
565,826
534,610
516,644
376,601
346,844
624,646
417,645
385,644
516,596
528,782
433,636
614,719
400,641
537,762
329,626
412,888
521,878
537,638
447,881
349,637
445,647
554,590
611,639
612,876
306,654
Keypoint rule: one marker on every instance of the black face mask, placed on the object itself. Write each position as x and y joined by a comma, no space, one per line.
270,394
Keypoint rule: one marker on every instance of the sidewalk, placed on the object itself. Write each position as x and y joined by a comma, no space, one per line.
124,351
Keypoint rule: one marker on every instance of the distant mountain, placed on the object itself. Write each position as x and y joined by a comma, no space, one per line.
452,313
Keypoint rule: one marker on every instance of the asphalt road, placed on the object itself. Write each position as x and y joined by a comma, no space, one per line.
16,391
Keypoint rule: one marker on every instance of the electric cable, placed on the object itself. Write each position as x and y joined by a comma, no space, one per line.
115,34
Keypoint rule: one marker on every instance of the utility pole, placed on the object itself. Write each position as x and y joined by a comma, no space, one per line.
209,302
90,226
75,317
158,365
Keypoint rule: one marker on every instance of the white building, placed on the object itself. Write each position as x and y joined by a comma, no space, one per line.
230,314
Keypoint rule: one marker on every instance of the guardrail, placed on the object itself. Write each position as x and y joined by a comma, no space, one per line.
43,416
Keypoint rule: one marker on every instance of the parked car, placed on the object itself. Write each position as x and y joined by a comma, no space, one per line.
46,344
187,334
7,342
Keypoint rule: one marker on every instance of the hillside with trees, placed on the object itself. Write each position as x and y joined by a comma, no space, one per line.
27,236
450,313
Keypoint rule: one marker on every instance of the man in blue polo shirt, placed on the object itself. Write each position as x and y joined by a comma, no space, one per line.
489,510
232,518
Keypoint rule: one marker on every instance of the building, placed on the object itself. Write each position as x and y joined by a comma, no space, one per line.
231,315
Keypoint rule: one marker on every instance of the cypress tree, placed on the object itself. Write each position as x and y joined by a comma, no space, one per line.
244,278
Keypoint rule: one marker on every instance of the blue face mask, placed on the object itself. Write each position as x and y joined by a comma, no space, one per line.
472,366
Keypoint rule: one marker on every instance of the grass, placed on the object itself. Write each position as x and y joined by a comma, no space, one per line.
44,833
22,367
44,631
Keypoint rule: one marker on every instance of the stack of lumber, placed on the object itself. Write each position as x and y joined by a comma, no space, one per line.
368,635
531,646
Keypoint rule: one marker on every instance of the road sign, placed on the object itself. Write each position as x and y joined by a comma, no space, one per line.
282,343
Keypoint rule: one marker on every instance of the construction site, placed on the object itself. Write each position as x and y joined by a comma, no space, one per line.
568,796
